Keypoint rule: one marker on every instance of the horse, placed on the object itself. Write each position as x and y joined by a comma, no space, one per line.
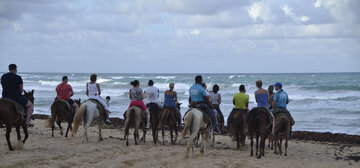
259,124
238,128
219,118
194,123
168,118
154,119
10,117
282,130
134,115
87,113
60,112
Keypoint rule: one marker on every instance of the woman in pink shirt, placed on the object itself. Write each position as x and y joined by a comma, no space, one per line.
64,92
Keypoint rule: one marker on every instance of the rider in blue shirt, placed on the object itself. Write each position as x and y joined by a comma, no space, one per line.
198,99
280,101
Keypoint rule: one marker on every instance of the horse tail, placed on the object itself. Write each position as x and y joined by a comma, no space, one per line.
78,117
282,126
53,115
132,116
188,119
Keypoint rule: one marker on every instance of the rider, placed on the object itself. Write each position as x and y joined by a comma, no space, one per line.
240,101
216,100
12,85
93,91
171,100
271,95
136,96
261,98
64,92
280,101
198,99
152,94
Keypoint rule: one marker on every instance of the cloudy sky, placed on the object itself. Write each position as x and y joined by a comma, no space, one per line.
174,36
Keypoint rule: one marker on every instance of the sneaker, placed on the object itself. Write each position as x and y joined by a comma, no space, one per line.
217,132
108,121
147,126
29,124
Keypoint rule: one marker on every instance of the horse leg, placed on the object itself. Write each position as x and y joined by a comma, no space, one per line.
100,135
136,132
257,144
275,145
61,129
251,144
202,144
67,129
144,135
163,135
18,133
286,144
7,135
154,134
176,134
25,132
171,134
262,144
52,130
280,147
237,139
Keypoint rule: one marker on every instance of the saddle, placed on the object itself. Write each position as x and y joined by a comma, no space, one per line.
280,110
69,107
99,107
206,116
19,108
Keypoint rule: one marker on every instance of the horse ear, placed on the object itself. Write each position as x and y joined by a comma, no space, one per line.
25,91
32,91
180,104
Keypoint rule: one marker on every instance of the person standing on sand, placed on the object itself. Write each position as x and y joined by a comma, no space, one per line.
64,91
12,85
261,98
151,94
136,96
280,101
93,91
171,101
198,99
240,101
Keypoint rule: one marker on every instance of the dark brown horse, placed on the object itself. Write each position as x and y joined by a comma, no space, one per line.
168,117
282,131
60,112
220,118
154,110
259,125
238,128
11,118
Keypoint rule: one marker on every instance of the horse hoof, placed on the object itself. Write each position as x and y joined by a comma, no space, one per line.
101,139
127,143
285,154
259,157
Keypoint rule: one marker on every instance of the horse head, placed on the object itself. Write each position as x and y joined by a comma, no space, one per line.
178,105
78,101
30,95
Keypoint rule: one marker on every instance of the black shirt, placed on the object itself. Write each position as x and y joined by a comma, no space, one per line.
10,83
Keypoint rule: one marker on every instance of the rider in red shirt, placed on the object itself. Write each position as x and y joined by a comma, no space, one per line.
64,92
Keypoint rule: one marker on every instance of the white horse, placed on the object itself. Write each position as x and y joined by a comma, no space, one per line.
194,122
88,113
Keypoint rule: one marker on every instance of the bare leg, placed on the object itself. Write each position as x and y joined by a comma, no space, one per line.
29,110
76,107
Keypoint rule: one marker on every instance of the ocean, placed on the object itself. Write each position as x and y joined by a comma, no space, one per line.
322,102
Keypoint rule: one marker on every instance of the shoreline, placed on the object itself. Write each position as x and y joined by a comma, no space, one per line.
339,138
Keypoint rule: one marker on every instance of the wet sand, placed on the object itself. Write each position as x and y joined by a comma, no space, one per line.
41,150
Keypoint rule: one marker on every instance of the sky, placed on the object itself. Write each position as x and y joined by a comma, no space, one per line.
180,36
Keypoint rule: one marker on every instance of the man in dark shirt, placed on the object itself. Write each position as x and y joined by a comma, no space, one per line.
12,85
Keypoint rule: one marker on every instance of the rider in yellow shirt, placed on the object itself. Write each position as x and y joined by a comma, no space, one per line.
240,101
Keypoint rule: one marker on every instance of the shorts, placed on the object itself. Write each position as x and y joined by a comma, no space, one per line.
21,99
138,103
71,101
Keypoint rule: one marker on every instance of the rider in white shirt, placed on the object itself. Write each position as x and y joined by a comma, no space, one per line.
152,94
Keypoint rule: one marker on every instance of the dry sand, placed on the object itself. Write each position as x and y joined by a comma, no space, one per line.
41,150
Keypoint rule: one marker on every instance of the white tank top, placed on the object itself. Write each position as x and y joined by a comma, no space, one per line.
214,98
93,90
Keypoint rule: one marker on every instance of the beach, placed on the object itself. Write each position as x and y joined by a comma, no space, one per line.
41,150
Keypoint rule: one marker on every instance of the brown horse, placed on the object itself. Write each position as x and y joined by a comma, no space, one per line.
220,118
168,118
238,128
258,124
134,115
154,119
60,112
282,131
10,117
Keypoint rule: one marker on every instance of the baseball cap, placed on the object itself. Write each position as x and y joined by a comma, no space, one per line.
278,84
